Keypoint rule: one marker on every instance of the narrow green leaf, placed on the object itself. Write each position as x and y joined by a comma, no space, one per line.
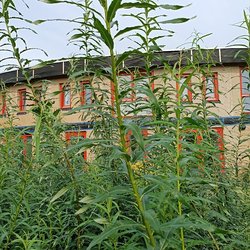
136,131
138,5
114,6
106,37
109,232
101,221
123,31
81,210
86,199
36,22
172,7
177,20
59,194
123,57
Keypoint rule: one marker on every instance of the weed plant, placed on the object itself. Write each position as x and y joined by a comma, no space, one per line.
166,190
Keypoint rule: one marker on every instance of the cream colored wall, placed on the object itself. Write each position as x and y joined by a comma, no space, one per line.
229,79
229,90
237,144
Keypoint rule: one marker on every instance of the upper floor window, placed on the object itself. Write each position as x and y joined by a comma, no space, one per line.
86,93
126,86
211,87
65,96
245,89
22,100
183,87
133,92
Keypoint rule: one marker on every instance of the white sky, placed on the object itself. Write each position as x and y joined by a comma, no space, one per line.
212,16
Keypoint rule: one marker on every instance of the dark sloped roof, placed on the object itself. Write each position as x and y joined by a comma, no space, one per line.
226,56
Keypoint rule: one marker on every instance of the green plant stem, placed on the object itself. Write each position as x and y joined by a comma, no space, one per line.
17,56
178,153
123,139
17,212
72,173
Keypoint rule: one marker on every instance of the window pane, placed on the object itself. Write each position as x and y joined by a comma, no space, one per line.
88,95
246,104
245,82
67,96
125,85
210,87
185,91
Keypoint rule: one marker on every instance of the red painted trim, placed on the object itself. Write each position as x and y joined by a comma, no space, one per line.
62,95
241,87
142,72
214,75
144,133
22,99
83,91
82,134
4,104
25,140
220,141
132,85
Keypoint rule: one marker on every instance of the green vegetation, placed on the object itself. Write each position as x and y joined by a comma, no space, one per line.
163,191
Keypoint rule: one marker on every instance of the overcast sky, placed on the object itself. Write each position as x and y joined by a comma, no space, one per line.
212,16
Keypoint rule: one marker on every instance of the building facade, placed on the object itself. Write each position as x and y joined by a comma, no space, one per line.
221,79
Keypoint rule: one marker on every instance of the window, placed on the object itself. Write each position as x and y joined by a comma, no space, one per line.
22,100
86,93
74,137
126,86
3,104
27,144
211,87
134,99
191,137
130,139
184,85
220,144
65,96
245,89
38,93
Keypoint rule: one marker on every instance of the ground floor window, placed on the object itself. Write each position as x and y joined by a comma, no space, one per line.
73,137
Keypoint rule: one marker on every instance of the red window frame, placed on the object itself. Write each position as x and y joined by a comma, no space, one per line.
22,100
215,97
220,143
133,94
132,85
144,133
83,99
243,95
70,134
62,87
25,139
4,104
189,92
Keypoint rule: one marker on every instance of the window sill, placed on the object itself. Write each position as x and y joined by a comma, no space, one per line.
21,113
65,108
215,101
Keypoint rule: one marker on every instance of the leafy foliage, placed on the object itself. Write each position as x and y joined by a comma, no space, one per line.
161,191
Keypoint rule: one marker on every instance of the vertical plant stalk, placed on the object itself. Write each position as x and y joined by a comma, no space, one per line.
17,56
122,135
18,208
177,161
73,178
